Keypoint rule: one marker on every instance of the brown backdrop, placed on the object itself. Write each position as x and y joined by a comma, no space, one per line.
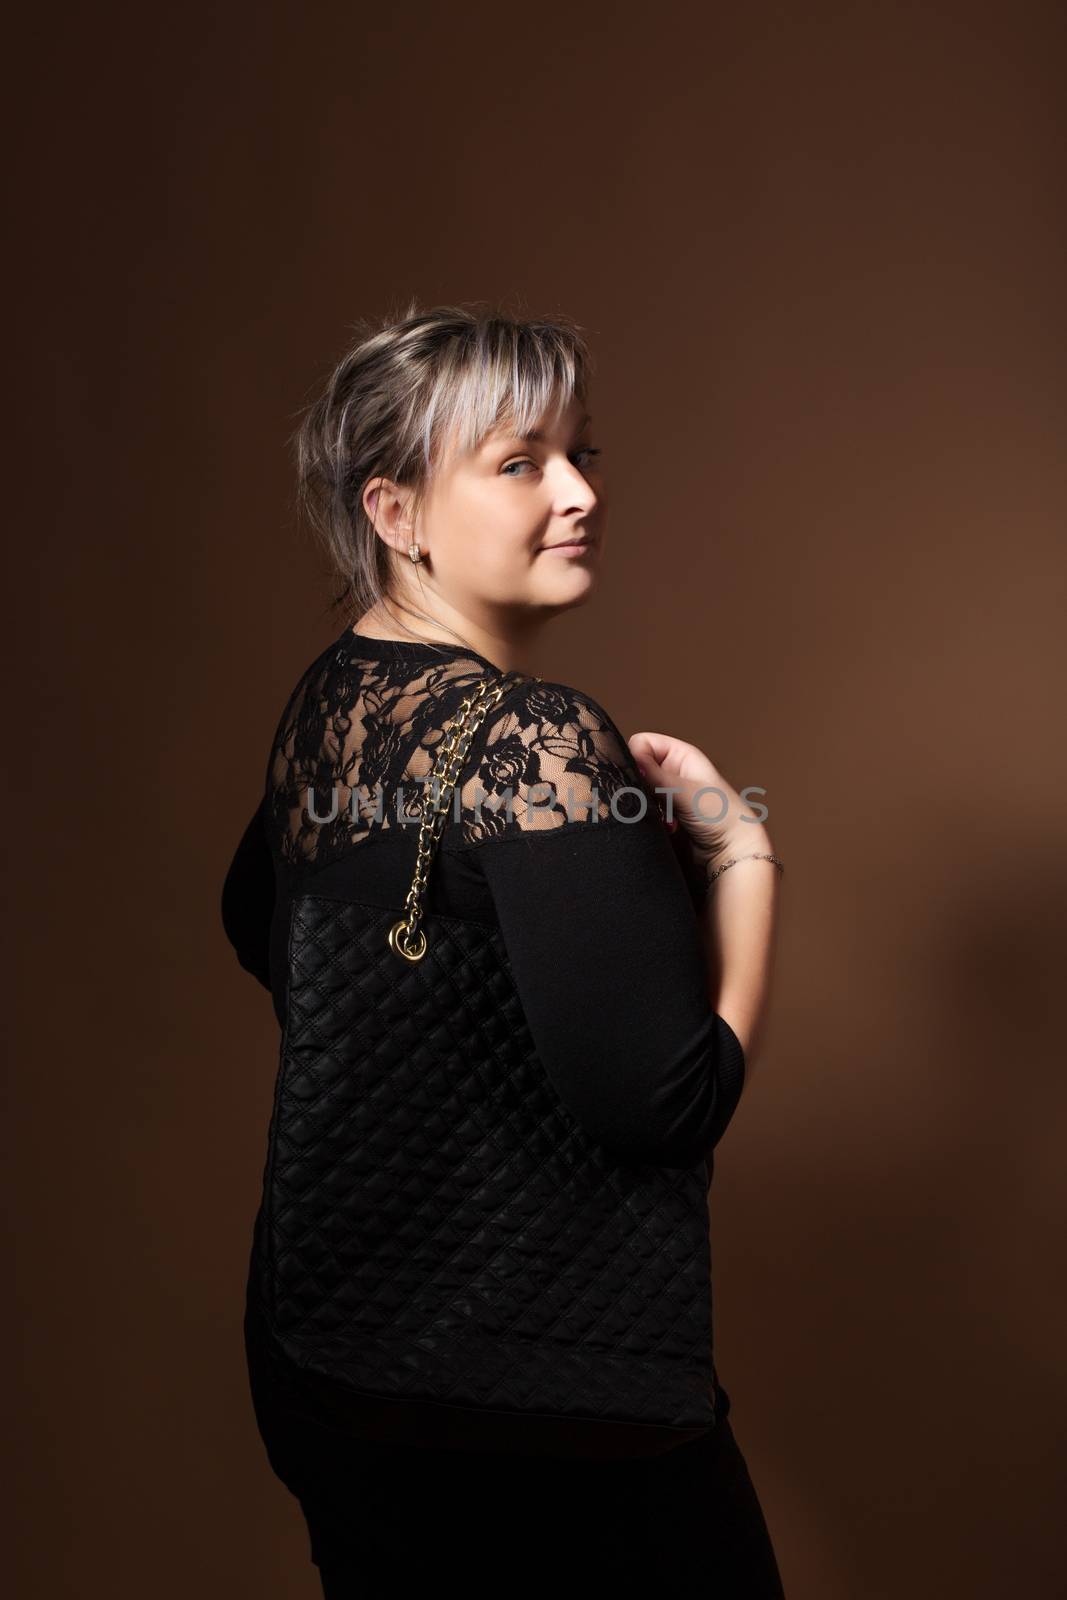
819,251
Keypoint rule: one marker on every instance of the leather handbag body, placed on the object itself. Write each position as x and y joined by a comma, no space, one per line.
442,1256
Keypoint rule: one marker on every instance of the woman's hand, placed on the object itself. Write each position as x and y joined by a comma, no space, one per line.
711,819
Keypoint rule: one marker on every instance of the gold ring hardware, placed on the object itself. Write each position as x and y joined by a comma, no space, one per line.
406,938
399,934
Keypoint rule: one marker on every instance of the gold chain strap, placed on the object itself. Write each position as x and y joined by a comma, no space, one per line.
406,937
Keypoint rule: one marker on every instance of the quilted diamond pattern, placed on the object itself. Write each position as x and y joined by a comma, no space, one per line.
436,1225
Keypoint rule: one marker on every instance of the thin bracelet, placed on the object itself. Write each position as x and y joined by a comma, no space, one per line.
752,855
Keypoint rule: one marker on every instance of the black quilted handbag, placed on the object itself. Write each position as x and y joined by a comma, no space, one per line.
442,1256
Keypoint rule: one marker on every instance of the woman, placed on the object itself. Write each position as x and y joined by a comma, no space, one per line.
623,961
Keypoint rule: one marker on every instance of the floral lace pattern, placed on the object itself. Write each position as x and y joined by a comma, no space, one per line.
360,734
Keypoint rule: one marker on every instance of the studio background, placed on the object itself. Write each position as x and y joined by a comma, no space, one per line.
819,254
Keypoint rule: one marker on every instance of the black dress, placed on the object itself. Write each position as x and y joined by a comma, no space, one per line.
599,916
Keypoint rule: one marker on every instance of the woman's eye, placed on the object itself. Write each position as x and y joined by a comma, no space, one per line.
586,450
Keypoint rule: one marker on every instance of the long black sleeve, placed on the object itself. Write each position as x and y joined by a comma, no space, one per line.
601,930
248,899
607,958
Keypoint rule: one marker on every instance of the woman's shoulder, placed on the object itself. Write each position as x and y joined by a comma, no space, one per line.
561,757
561,722
555,752
549,703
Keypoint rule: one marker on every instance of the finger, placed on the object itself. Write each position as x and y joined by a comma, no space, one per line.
654,745
652,774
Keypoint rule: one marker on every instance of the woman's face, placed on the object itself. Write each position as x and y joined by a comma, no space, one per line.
497,522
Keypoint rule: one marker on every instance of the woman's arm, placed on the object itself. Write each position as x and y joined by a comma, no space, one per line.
740,920
248,899
607,958
740,909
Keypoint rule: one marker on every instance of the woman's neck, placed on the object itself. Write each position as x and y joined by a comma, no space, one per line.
511,651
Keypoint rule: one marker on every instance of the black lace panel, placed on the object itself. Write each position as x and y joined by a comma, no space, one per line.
360,736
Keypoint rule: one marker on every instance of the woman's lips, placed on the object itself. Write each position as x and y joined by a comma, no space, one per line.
572,548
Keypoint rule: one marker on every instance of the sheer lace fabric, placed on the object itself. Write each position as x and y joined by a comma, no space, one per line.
359,737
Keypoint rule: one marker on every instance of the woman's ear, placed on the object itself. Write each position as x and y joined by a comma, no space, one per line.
389,508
